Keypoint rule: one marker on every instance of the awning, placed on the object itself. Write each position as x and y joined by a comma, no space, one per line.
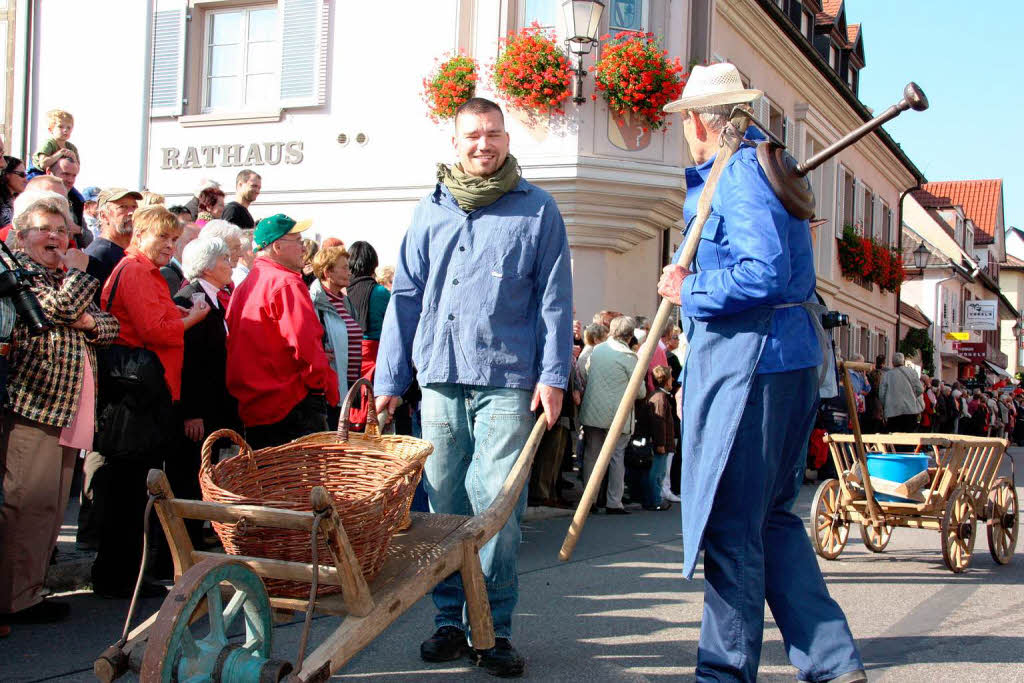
998,370
955,357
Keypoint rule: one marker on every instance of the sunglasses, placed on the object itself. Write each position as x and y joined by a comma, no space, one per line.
21,174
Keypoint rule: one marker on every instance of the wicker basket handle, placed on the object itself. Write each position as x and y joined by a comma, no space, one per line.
206,461
372,428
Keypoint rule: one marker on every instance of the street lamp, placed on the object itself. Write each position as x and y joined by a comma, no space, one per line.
582,22
921,257
1016,329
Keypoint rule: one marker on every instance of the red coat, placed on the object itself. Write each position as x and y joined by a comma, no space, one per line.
147,315
275,345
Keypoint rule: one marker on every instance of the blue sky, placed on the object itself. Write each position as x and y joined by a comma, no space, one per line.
965,56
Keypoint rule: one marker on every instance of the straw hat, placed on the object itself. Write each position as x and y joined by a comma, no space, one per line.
712,86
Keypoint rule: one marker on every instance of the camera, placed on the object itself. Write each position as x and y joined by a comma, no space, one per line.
833,319
14,283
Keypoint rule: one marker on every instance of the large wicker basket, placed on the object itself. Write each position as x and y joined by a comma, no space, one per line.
371,478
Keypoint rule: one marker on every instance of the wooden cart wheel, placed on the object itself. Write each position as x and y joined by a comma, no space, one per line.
829,526
1004,520
876,540
959,529
181,647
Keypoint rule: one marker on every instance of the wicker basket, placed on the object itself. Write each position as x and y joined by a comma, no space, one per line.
371,478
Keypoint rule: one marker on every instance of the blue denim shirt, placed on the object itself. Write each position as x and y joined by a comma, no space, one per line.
752,253
483,298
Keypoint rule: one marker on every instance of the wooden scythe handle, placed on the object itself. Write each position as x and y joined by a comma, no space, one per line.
731,138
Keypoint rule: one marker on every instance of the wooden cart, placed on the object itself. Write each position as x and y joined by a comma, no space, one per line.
176,644
963,487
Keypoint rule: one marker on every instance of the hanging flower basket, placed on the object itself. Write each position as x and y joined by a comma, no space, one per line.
450,83
636,78
532,72
861,258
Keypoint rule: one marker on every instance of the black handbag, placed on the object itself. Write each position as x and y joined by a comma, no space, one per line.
134,404
639,457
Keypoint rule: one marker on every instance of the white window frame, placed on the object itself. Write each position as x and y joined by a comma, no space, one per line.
274,45
645,17
806,23
525,21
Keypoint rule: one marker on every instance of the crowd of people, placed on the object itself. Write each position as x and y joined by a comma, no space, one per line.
897,399
166,323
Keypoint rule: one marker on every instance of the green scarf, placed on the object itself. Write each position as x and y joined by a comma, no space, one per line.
473,192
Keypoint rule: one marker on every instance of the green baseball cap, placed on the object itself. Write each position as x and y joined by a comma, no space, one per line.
275,227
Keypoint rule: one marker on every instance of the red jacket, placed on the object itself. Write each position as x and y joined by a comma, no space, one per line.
275,345
147,315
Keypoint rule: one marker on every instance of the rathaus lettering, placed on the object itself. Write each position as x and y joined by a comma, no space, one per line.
209,156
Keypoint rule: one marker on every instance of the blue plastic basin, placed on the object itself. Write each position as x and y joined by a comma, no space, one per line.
896,467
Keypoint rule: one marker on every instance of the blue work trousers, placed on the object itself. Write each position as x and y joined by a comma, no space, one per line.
478,433
757,550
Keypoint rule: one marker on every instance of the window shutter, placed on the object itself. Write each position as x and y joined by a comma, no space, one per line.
303,52
795,138
840,196
876,204
168,77
858,206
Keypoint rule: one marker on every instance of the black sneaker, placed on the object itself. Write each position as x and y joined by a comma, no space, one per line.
45,612
616,511
502,660
448,643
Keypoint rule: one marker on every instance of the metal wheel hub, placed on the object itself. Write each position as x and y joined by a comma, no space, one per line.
964,530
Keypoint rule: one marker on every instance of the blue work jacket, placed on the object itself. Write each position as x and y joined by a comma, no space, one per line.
481,298
753,256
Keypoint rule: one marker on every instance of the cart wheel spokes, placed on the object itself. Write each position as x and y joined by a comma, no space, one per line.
875,539
959,527
180,648
829,526
1004,520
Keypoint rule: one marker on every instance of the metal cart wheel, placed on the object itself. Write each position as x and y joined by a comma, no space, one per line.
959,529
1003,520
177,652
875,540
829,526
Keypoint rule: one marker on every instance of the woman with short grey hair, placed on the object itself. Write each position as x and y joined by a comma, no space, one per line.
611,365
205,405
229,232
899,394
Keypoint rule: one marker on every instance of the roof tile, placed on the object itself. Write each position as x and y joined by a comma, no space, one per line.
982,202
832,7
852,33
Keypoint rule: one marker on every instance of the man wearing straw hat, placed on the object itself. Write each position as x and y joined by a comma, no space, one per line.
746,301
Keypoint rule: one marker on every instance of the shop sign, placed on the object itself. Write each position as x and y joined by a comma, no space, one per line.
958,336
210,156
982,314
971,350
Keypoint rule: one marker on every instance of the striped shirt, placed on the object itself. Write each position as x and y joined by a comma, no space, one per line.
355,336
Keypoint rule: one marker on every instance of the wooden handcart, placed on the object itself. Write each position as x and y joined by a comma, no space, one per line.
962,486
176,644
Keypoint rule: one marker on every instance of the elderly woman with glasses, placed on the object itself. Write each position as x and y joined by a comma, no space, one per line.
342,334
137,295
52,390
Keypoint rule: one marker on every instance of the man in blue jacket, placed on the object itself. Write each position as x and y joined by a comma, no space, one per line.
481,306
746,422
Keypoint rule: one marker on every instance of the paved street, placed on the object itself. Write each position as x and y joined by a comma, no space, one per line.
620,612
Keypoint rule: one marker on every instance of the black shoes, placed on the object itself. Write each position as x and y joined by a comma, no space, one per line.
45,612
502,660
616,511
665,505
857,676
448,643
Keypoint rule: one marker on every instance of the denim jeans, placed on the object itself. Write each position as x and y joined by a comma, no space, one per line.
478,433
756,550
654,479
